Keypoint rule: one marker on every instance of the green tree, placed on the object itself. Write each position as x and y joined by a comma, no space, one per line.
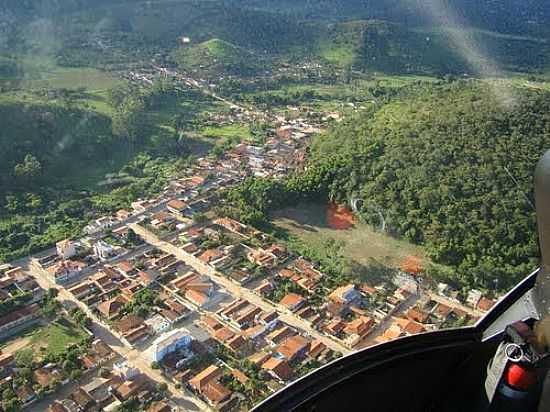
29,169
24,358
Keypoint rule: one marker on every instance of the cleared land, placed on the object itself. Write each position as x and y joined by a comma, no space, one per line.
228,131
308,222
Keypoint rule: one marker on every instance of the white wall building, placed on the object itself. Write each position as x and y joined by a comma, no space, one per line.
66,248
158,324
169,343
103,250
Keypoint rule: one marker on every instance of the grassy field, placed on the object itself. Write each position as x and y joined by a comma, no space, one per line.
308,222
73,78
229,131
39,72
56,337
43,340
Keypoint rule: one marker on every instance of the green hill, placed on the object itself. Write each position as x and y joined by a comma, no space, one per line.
217,56
394,48
442,164
504,16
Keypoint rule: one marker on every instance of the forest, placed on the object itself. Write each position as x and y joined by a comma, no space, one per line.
447,166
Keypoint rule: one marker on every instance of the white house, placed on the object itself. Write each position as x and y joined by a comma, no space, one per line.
103,250
66,249
473,297
169,343
158,324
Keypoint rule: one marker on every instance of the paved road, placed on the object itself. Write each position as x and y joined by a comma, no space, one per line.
237,291
135,357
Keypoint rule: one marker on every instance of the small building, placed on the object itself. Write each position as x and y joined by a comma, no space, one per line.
103,250
112,307
197,298
346,295
473,297
125,371
292,302
278,368
485,304
418,315
210,374
66,249
18,317
293,348
335,327
176,206
159,406
158,324
65,270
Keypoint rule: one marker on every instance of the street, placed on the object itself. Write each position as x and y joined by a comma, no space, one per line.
236,290
135,357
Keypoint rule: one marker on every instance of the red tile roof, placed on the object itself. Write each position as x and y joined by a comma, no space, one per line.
279,368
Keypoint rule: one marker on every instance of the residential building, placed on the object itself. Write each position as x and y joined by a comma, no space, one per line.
159,406
18,317
216,394
158,324
278,368
103,250
197,298
346,295
112,307
176,206
210,374
292,302
64,271
169,343
66,249
293,348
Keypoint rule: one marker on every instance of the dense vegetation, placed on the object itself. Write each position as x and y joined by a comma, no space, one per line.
523,17
449,167
50,136
446,166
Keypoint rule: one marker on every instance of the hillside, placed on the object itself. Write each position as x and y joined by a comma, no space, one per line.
59,138
442,165
439,164
388,38
505,16
380,46
217,56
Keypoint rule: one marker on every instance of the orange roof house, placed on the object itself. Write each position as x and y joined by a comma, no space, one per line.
112,307
292,301
210,374
360,326
278,368
418,315
195,297
293,347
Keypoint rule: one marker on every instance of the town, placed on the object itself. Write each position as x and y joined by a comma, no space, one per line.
171,306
